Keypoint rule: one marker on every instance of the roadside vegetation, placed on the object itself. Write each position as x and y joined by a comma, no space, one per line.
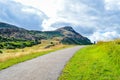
12,43
95,62
9,57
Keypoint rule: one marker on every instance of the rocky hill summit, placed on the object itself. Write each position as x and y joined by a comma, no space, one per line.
72,37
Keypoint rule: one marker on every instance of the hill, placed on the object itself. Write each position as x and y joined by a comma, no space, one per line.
65,35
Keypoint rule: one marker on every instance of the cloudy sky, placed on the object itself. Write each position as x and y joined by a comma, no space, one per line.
96,19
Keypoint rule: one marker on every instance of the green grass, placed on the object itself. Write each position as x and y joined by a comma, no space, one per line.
96,62
23,58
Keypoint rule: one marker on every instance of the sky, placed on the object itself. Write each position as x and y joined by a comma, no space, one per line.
95,19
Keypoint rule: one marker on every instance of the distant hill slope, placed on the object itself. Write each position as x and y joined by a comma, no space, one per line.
66,35
5,25
11,31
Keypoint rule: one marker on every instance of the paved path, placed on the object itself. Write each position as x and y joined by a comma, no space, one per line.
46,67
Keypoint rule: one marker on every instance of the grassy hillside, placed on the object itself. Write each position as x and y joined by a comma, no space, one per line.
96,62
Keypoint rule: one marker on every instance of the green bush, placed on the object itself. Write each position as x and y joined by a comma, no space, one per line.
17,44
12,43
1,52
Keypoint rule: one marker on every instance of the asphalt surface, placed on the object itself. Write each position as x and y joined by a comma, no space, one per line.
46,67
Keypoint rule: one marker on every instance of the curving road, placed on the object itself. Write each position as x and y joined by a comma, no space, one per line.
46,67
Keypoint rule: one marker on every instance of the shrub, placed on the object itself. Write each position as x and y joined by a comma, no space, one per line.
1,52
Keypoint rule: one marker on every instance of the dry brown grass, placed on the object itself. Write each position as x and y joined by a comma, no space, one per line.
15,53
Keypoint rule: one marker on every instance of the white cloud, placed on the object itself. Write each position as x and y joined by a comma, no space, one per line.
112,4
74,12
20,15
99,36
49,7
48,22
29,10
63,9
